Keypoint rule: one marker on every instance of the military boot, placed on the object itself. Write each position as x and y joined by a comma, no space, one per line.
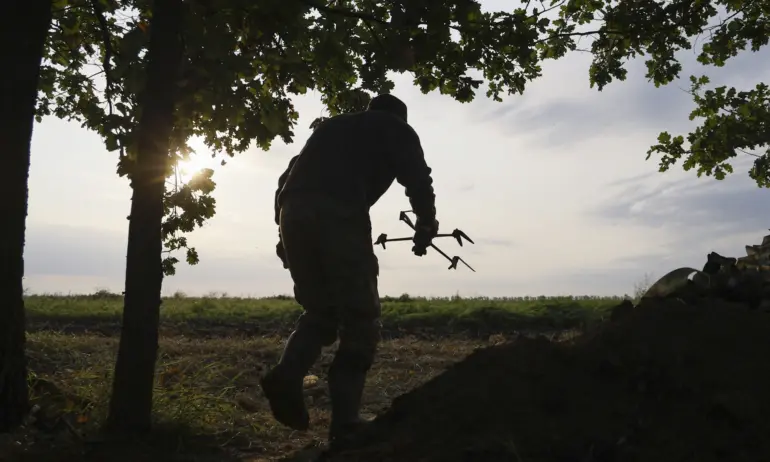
346,386
283,385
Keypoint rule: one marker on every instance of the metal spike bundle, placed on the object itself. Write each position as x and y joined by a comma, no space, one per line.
457,234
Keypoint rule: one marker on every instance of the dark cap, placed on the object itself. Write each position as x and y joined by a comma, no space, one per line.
388,103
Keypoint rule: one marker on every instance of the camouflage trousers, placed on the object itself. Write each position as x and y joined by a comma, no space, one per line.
331,259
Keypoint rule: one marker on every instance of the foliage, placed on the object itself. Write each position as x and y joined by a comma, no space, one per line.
187,205
641,287
243,61
735,122
732,122
106,35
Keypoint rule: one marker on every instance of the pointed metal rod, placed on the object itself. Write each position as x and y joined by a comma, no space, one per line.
457,234
453,261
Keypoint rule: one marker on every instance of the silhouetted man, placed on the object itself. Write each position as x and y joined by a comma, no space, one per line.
325,240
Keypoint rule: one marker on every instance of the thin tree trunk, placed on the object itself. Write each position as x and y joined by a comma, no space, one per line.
131,402
22,56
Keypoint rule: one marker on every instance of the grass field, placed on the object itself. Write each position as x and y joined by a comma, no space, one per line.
213,350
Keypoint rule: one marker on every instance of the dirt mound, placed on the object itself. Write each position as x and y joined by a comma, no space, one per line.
667,381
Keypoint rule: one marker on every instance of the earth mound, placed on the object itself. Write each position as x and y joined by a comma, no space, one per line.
663,381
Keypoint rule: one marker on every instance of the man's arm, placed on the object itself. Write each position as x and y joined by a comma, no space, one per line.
413,173
281,182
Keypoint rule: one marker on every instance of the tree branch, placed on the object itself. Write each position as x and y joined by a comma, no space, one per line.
747,152
575,34
105,31
343,12
374,35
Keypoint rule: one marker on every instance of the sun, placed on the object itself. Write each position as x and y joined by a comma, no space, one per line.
187,169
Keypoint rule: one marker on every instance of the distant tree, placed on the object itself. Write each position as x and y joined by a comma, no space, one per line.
22,53
732,122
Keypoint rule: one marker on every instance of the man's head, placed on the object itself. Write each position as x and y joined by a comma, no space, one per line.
388,103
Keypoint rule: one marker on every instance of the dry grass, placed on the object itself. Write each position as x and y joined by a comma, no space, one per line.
208,406
249,317
204,387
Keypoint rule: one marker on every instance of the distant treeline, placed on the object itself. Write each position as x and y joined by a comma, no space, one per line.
106,294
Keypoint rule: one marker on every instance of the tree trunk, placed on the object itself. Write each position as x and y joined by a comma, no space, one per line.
18,95
130,409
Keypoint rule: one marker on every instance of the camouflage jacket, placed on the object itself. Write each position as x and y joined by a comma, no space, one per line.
354,158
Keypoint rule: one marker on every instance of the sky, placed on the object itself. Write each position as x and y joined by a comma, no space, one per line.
552,185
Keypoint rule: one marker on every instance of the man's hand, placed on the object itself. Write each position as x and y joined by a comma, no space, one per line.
279,250
423,236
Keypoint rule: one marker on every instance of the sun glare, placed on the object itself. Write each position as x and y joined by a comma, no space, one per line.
187,169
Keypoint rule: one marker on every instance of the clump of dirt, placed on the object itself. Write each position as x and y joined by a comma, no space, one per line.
664,381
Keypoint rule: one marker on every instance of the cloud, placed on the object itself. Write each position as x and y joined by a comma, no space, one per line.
606,282
633,179
64,259
699,216
464,188
562,123
74,251
560,108
495,242
701,208
622,274
82,259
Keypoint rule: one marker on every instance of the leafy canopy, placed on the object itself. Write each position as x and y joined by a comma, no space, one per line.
243,61
732,121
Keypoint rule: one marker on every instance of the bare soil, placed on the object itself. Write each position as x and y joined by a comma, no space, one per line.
665,381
